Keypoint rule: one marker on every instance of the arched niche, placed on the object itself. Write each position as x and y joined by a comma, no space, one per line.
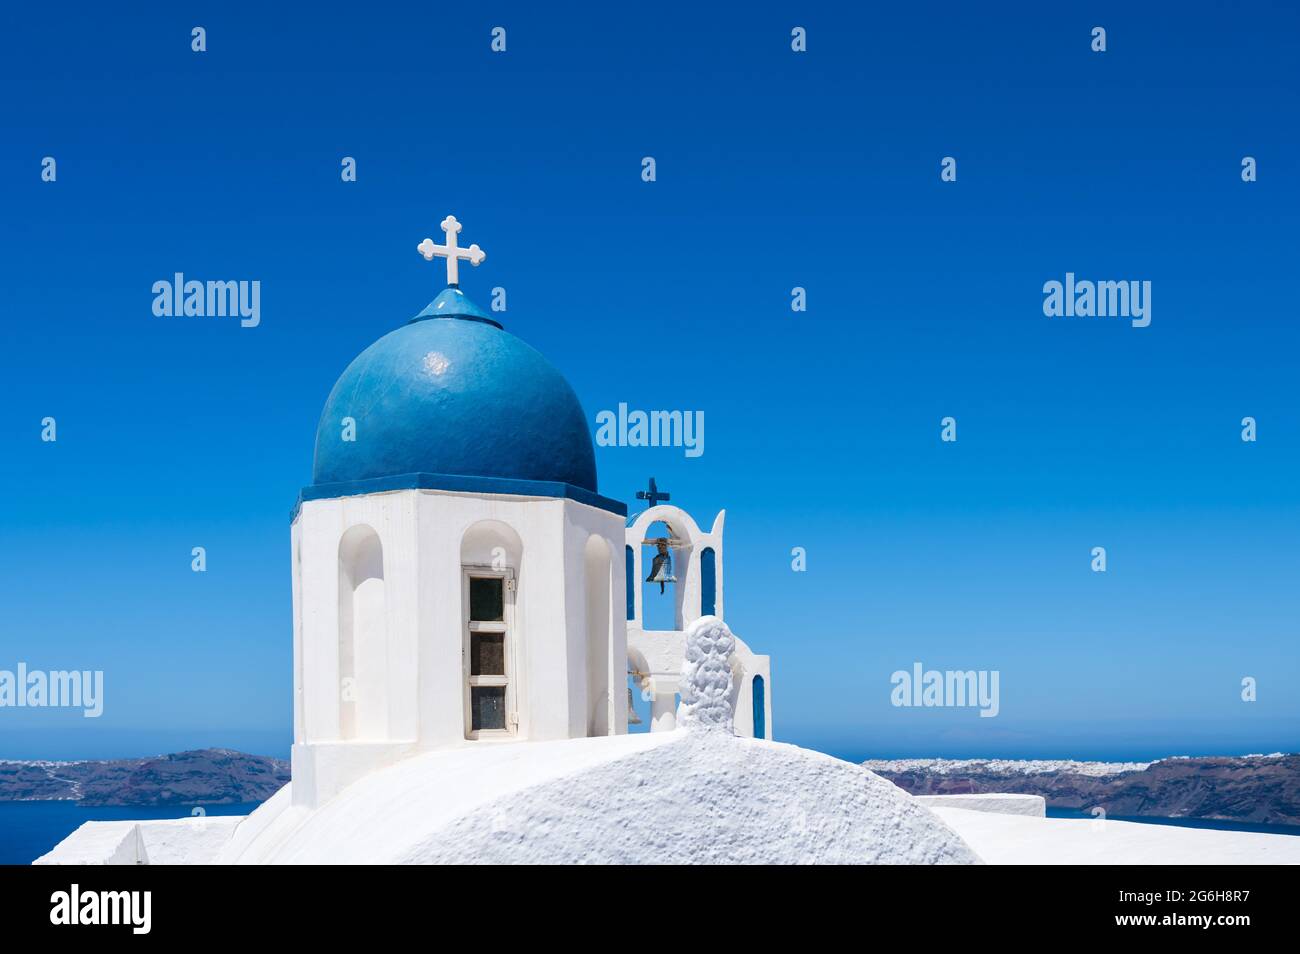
363,636
640,691
686,604
299,718
708,582
661,602
491,543
597,576
629,556
491,563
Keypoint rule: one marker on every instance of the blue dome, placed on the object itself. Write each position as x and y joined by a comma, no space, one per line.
451,396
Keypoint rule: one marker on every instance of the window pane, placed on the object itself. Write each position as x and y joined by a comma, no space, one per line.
487,707
486,600
487,654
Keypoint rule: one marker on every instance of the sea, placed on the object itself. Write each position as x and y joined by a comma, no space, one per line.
30,829
1213,823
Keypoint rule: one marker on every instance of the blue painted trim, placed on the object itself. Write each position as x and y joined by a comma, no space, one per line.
760,708
460,484
629,558
708,582
487,321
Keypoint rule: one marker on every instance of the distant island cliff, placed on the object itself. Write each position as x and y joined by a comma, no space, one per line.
1248,788
201,777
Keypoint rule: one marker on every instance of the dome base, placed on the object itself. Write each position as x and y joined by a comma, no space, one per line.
457,483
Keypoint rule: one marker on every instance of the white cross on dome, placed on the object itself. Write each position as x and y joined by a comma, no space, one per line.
451,251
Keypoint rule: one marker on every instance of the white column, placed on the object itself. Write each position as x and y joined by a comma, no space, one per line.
663,710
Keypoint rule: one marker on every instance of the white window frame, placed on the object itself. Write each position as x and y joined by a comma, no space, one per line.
506,626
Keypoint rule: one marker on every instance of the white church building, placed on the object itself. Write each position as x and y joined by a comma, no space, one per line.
458,584
468,612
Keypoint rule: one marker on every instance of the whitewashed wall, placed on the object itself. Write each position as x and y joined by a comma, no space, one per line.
408,618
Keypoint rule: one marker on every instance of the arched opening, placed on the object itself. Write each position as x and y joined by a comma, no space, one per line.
663,558
630,588
760,708
491,556
363,636
299,719
597,571
639,693
708,582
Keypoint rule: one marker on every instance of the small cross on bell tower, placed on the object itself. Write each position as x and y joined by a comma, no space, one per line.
652,496
661,571
452,252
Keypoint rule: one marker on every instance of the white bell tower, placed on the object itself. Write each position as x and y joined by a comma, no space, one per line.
655,657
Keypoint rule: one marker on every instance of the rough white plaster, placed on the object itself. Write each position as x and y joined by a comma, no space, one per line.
702,798
667,797
708,694
999,804
180,841
381,813
97,843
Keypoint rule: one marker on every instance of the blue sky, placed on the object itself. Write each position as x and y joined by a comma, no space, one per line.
774,169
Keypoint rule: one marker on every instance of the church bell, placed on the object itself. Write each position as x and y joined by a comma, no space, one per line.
632,717
661,570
